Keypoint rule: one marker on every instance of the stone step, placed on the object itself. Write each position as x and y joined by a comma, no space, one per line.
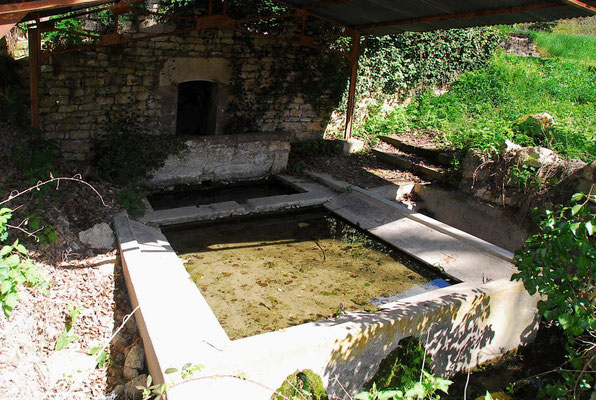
436,155
410,164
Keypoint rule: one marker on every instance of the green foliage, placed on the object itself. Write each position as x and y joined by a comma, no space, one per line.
66,337
125,154
379,123
405,374
570,47
36,160
482,108
559,263
56,40
101,357
45,233
301,385
15,267
159,392
132,201
398,63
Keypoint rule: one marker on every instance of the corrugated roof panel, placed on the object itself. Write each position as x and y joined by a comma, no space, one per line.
450,13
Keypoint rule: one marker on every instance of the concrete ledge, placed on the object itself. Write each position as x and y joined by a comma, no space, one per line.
313,194
423,219
466,324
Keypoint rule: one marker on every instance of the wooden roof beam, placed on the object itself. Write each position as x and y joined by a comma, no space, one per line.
41,5
582,5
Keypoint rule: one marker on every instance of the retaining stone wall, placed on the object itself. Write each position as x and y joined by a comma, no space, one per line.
81,91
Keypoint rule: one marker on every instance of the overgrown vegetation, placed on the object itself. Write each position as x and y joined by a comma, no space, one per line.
559,263
405,374
483,107
398,64
15,266
127,154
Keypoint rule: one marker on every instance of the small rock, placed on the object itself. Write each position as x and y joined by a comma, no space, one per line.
135,358
130,373
508,146
119,342
544,119
100,236
471,166
538,156
589,172
130,389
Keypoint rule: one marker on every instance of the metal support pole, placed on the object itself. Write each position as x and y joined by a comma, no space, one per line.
353,57
34,37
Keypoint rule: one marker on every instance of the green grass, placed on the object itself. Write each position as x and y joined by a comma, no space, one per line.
483,106
569,47
577,26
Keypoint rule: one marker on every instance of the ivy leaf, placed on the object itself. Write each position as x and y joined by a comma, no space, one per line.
589,228
577,197
575,209
171,370
11,300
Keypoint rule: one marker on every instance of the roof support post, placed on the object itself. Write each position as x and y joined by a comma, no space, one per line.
34,37
353,58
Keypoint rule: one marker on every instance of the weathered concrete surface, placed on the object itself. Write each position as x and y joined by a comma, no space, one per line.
451,255
313,194
462,212
380,200
233,157
461,325
465,324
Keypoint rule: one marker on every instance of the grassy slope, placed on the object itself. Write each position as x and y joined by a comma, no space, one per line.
482,107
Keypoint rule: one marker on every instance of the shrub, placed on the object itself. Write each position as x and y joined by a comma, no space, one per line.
125,154
559,263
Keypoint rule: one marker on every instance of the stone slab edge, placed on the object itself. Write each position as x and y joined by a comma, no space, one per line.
312,194
171,336
319,346
413,215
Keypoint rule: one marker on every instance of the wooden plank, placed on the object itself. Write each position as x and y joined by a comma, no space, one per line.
581,5
34,71
41,5
353,57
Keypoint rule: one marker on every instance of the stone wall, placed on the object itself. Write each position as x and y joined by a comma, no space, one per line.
81,92
227,157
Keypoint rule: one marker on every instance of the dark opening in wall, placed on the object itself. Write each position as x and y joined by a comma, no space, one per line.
197,108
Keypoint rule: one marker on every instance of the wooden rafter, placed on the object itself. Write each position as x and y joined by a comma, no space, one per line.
582,5
41,5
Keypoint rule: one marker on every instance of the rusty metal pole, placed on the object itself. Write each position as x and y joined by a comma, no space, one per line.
353,57
34,37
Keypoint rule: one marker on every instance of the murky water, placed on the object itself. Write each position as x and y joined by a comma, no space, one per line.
218,192
267,273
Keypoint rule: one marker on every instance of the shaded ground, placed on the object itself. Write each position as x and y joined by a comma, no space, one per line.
78,276
361,169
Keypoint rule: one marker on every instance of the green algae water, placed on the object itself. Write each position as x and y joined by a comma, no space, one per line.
271,272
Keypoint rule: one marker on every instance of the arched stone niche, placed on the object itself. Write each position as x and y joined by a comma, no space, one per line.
180,70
